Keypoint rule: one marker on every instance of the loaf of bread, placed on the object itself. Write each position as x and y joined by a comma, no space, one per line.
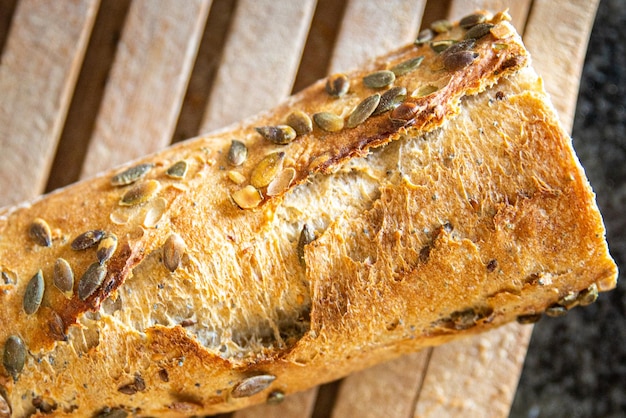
428,196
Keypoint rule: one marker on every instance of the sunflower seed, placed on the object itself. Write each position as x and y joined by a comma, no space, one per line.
87,239
131,175
363,111
237,153
300,122
424,36
247,198
34,293
407,66
173,250
57,326
266,169
178,170
588,296
281,134
306,237
404,113
236,177
441,26
472,20
440,46
14,355
556,310
459,60
63,277
5,409
390,99
337,85
281,182
328,122
528,319
379,79
91,280
39,232
140,193
252,385
478,31
106,248
275,397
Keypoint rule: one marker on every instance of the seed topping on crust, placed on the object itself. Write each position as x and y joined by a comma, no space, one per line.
39,232
363,111
252,385
267,169
87,239
178,170
173,250
379,79
91,280
131,175
237,153
34,293
14,356
281,134
337,85
63,278
140,193
328,122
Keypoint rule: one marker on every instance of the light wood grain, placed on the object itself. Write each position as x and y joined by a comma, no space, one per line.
148,80
298,405
259,61
474,377
370,29
556,35
40,63
518,9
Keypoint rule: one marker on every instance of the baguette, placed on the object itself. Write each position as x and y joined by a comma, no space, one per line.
297,246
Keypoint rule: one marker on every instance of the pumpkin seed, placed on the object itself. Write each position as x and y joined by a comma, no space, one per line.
390,99
252,385
363,111
275,397
57,326
464,45
112,413
528,319
306,237
472,20
404,113
570,300
556,310
5,409
442,45
247,198
441,26
281,182
237,153
328,122
300,122
426,90
337,85
39,232
91,280
63,278
588,296
106,248
459,60
14,356
178,170
478,31
140,193
34,293
173,251
266,169
87,239
424,36
379,79
131,175
407,66
281,134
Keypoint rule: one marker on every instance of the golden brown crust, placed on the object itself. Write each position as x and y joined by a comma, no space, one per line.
458,211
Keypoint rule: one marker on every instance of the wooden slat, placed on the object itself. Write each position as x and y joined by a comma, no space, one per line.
260,59
369,394
474,377
148,80
40,63
518,9
556,35
298,405
370,29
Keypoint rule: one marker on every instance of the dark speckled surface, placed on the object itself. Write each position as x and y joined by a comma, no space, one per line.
576,365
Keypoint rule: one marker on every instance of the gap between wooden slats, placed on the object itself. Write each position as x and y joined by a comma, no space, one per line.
147,84
259,61
7,7
40,64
